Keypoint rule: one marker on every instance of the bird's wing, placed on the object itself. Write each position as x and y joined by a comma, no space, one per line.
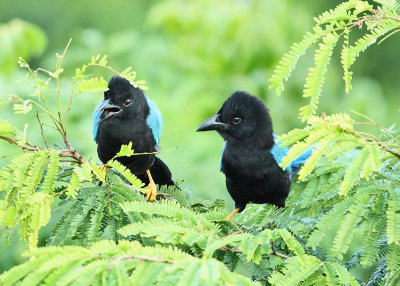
220,160
154,120
279,152
95,117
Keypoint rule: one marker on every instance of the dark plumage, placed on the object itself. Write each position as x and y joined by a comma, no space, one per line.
127,115
250,156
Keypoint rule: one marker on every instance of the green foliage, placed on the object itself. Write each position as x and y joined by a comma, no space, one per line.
343,211
21,39
329,28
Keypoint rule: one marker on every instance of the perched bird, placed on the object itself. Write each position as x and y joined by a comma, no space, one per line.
250,156
126,115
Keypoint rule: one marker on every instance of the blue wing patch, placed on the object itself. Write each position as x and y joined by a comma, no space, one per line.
95,117
220,160
279,152
154,120
302,158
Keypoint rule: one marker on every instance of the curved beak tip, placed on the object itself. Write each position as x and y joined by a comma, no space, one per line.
212,124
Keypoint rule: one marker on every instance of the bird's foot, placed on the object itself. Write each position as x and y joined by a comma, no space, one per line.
229,217
152,192
103,168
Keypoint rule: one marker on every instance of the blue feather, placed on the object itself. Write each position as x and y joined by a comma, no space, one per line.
95,117
154,120
222,153
279,152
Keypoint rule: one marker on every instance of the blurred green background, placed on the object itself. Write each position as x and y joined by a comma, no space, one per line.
192,54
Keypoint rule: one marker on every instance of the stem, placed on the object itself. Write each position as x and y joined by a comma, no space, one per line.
374,123
277,253
41,129
69,152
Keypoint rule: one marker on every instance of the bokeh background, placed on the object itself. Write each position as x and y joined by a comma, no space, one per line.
192,54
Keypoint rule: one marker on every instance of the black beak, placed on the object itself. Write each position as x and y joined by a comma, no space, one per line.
108,110
212,124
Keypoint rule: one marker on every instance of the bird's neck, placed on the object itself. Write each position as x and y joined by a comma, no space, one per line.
255,142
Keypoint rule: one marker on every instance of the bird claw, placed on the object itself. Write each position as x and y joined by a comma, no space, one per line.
103,168
152,192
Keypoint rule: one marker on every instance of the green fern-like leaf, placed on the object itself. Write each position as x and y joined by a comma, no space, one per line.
176,194
317,154
73,186
347,77
393,217
289,60
393,257
316,75
353,171
97,172
345,277
293,136
374,232
367,40
92,231
392,4
51,174
341,12
216,244
168,209
324,223
126,173
34,174
331,274
292,274
351,220
5,127
92,85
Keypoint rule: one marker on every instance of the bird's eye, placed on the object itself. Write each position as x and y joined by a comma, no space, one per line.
236,120
127,102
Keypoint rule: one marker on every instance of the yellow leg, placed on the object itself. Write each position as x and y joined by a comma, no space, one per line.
152,193
229,217
103,168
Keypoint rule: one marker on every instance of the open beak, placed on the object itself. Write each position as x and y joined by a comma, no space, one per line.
212,124
108,110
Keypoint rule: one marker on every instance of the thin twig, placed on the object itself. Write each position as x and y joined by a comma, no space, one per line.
277,253
41,129
11,154
142,257
373,122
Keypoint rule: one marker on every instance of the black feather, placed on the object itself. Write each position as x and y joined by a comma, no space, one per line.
252,174
129,125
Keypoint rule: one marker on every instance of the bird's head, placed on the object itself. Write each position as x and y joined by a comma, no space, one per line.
122,101
242,117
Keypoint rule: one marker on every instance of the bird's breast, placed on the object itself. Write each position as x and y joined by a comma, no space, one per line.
246,161
112,134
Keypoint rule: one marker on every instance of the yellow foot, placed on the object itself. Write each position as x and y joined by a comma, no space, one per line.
152,192
103,168
229,217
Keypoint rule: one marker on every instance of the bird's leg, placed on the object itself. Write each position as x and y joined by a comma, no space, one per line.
229,217
151,194
103,168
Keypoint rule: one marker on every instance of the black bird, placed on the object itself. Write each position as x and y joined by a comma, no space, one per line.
250,156
126,115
